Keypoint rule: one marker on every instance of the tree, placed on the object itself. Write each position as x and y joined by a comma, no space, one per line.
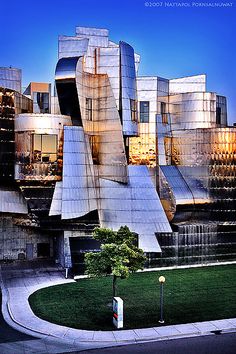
119,256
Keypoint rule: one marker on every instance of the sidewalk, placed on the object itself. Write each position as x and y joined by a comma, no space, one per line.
17,285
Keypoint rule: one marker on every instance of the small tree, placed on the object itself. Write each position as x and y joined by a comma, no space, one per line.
119,256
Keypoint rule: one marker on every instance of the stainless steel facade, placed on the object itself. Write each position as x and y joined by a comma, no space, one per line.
152,153
40,93
11,78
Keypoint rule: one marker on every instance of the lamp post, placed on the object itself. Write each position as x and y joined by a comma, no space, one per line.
161,281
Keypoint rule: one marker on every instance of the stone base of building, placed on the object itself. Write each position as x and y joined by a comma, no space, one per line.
191,243
19,241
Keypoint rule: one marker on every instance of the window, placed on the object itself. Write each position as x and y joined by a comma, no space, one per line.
218,115
89,108
133,109
44,148
41,101
164,115
94,148
144,111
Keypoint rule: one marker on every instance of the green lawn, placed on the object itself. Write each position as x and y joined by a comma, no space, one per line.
190,295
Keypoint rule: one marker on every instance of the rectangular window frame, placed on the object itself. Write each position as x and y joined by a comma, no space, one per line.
89,108
133,110
164,114
143,114
41,155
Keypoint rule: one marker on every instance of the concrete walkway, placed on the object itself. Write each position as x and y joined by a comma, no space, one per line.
18,284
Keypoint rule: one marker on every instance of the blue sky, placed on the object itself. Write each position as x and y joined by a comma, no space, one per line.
172,41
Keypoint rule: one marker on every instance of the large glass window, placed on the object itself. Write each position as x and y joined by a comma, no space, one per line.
133,109
89,108
44,148
144,111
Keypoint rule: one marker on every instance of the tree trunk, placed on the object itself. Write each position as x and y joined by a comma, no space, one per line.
114,284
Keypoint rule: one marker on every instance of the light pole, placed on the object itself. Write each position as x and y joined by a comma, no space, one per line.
161,281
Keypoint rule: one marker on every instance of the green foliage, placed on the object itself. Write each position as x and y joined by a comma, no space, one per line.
119,255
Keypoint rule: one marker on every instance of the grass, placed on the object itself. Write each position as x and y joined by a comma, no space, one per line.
190,295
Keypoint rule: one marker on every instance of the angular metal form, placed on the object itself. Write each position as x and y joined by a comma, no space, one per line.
102,122
78,185
40,93
195,83
11,78
12,201
131,204
39,143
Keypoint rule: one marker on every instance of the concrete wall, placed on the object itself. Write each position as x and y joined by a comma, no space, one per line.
20,242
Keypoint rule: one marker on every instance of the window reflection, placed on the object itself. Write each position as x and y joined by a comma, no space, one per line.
89,108
41,102
133,108
44,148
144,111
164,114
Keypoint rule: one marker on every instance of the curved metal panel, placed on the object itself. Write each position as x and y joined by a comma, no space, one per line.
65,76
128,92
41,123
66,68
192,110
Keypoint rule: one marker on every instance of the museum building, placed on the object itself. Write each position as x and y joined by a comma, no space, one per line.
110,148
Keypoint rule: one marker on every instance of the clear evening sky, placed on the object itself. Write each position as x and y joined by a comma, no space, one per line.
173,41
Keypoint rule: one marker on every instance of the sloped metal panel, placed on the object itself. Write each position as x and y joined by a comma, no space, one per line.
181,190
12,201
136,205
69,46
187,184
55,208
197,179
188,84
104,126
78,189
149,244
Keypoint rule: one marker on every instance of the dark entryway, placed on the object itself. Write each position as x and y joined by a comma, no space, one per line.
43,250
